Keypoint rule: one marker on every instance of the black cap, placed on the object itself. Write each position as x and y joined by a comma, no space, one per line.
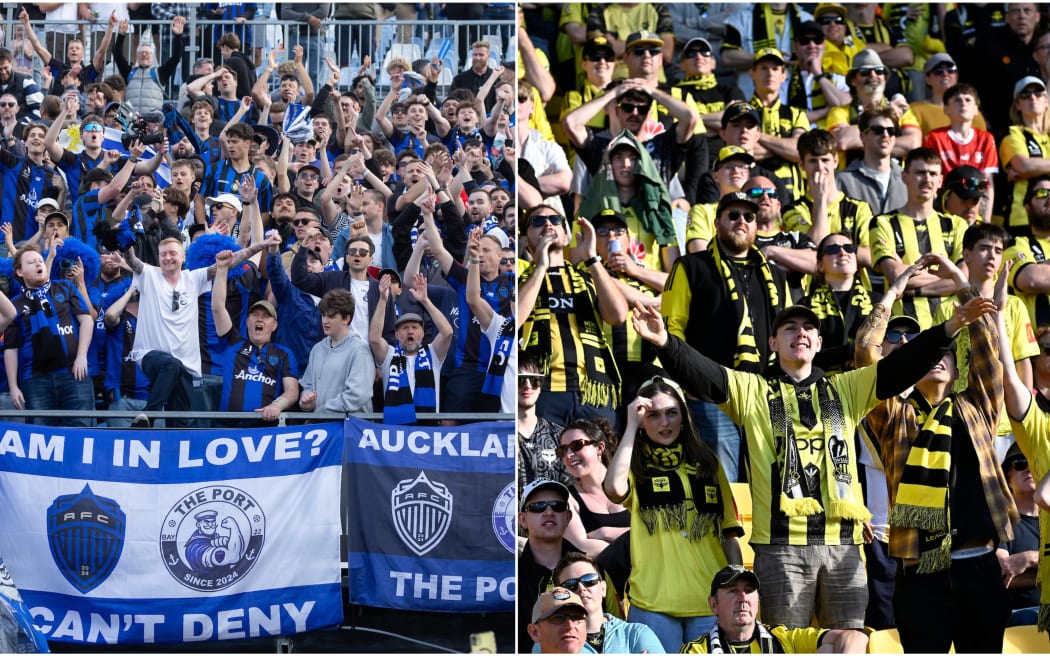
61,215
608,216
729,574
1013,452
965,182
809,27
903,320
736,198
740,110
154,116
390,272
597,44
796,312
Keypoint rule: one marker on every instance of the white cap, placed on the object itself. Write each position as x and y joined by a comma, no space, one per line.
229,199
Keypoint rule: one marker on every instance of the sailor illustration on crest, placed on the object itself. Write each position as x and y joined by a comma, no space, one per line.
211,547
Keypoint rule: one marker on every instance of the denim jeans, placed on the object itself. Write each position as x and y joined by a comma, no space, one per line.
313,53
59,390
673,632
719,432
127,404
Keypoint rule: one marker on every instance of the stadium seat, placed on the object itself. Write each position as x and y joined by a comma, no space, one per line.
886,641
1025,640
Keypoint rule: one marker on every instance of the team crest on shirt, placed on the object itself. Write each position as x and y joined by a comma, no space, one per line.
422,512
273,360
86,535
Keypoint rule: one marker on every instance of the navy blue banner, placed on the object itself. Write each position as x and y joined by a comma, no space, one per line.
431,516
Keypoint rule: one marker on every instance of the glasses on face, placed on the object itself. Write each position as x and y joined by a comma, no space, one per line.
835,249
506,261
832,20
542,506
220,206
973,184
631,108
1019,463
575,446
1041,193
301,222
174,300
558,619
589,580
689,54
736,215
605,231
91,127
896,336
354,252
944,70
1028,94
758,192
8,104
810,40
601,56
308,176
883,130
868,71
540,220
641,51
530,380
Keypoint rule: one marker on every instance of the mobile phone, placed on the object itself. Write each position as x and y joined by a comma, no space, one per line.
509,143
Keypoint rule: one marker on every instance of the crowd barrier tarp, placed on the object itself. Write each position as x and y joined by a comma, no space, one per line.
431,516
136,537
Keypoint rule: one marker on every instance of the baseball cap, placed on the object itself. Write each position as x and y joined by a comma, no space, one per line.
543,484
608,216
736,198
1014,452
829,8
903,321
768,53
795,312
1028,81
937,60
61,215
740,110
408,316
728,576
310,166
554,600
965,182
643,38
390,272
811,28
596,45
154,116
866,58
733,152
47,202
229,199
698,43
266,305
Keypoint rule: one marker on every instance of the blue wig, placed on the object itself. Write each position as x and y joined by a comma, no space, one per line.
7,270
71,249
201,253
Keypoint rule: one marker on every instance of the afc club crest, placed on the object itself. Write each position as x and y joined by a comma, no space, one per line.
86,536
212,537
504,523
422,512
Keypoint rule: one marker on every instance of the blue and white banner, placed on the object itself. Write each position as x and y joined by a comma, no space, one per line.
123,537
431,516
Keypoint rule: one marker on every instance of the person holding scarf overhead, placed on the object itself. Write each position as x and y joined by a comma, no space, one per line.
808,509
684,525
410,369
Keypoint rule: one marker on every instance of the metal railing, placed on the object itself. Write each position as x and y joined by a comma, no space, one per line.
19,416
346,42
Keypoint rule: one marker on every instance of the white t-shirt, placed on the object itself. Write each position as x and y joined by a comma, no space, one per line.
410,366
377,250
162,329
359,324
508,397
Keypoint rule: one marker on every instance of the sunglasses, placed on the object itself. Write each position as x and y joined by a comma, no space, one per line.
542,506
605,231
575,446
835,249
588,580
1017,464
758,192
92,127
302,222
1031,93
868,71
883,131
8,104
506,261
736,215
973,184
601,56
895,336
652,51
309,176
1042,193
631,108
558,619
944,70
174,300
810,40
353,252
832,20
530,380
540,220
219,206
689,54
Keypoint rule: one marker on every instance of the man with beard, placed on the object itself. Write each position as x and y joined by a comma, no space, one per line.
900,238
722,302
410,369
868,79
1030,276
26,92
793,252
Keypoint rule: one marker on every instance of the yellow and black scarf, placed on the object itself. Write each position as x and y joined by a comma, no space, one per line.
746,348
922,496
663,497
798,497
